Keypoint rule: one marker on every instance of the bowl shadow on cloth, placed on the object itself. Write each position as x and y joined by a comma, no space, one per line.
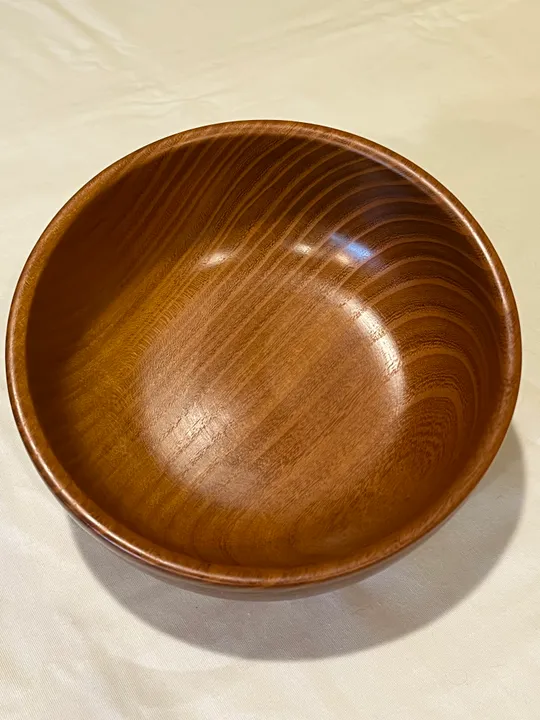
410,593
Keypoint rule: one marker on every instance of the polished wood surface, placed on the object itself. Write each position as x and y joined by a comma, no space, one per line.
263,354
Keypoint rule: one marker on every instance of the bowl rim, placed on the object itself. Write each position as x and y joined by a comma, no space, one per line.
162,560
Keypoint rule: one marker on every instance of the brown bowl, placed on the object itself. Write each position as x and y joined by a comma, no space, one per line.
263,355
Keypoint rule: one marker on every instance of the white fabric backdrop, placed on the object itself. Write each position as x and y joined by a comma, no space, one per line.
453,629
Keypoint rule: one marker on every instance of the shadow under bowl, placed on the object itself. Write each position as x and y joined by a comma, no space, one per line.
263,356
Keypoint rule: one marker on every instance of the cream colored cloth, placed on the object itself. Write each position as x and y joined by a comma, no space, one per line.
453,629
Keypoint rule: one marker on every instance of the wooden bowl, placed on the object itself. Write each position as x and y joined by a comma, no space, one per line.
263,355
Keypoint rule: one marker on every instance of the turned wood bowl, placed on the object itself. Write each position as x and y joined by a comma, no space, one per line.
263,356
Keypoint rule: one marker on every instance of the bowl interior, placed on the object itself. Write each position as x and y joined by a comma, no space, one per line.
263,350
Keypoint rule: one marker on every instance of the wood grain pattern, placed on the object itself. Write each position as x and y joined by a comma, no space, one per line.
263,354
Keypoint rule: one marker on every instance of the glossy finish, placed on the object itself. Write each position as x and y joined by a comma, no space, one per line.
263,354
